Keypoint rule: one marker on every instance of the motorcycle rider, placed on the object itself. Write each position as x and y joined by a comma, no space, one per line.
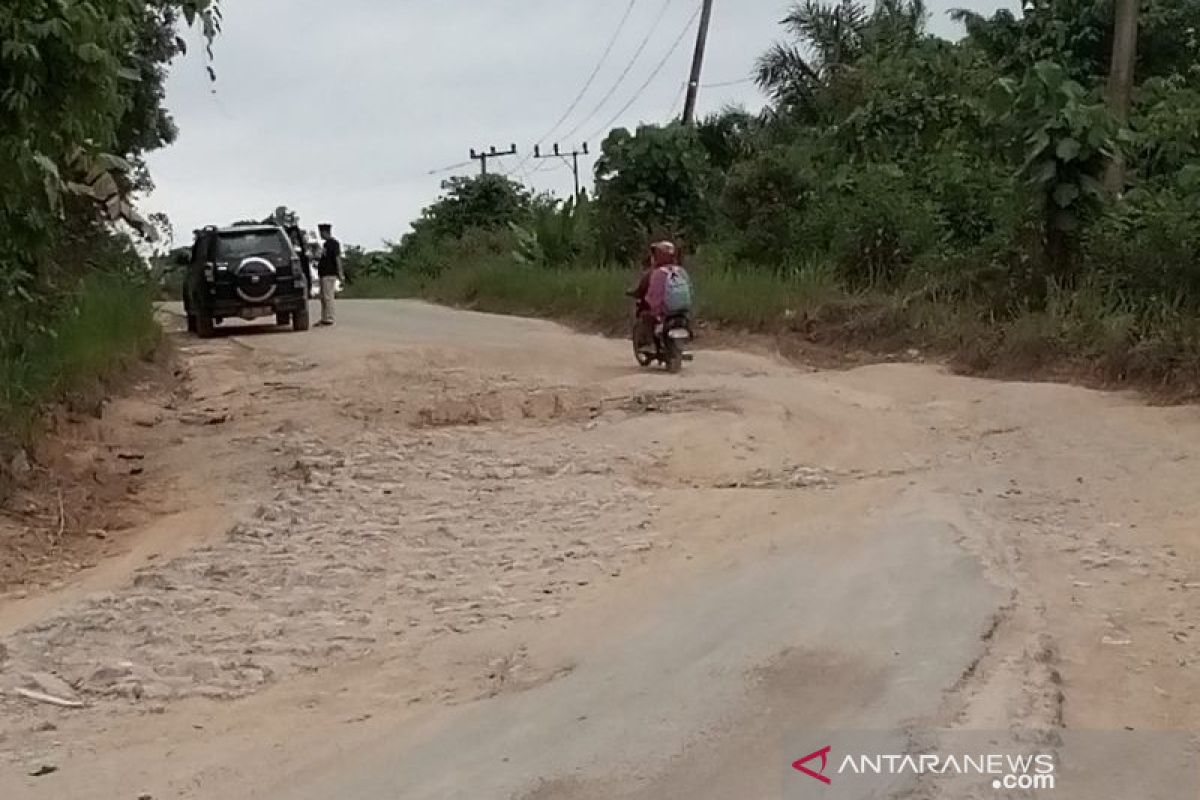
650,294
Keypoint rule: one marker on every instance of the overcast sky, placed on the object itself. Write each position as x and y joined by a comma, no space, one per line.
341,110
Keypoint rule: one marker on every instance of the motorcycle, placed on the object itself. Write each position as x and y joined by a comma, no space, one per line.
672,341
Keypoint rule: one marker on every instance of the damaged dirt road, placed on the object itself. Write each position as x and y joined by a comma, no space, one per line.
434,554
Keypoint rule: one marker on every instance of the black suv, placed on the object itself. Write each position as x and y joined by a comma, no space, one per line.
246,271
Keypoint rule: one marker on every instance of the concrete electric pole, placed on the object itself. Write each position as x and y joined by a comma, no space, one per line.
693,88
482,157
1121,80
574,156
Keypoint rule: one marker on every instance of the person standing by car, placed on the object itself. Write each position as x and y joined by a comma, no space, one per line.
296,234
330,271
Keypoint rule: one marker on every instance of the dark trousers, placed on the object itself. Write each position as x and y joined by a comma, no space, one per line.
643,331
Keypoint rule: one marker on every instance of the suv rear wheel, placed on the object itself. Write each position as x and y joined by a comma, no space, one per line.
300,319
205,328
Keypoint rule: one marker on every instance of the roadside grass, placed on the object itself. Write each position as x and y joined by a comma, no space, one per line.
745,299
384,287
591,296
108,325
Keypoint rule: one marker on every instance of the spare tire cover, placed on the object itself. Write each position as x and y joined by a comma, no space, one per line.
255,279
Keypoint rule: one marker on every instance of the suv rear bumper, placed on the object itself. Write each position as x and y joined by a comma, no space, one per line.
230,308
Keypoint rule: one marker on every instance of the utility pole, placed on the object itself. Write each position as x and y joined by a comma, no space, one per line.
483,156
693,89
1120,82
574,154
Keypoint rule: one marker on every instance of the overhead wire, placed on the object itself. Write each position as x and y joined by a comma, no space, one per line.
548,165
662,12
590,80
679,98
450,168
657,71
546,168
724,84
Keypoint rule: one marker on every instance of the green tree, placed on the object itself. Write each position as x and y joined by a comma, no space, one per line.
80,103
728,137
655,183
484,202
1068,135
558,231
825,39
284,217
1078,34
766,200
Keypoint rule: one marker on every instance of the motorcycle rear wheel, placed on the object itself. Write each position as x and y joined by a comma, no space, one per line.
643,359
674,356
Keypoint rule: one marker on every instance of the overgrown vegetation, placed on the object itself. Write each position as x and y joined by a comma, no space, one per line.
81,93
900,190
101,329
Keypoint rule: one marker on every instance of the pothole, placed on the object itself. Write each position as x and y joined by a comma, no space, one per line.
508,405
790,477
670,402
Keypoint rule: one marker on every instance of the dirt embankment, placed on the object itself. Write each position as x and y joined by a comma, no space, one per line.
71,500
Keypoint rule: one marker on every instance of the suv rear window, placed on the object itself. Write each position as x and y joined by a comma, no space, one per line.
237,245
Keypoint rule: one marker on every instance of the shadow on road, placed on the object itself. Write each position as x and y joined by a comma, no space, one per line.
250,329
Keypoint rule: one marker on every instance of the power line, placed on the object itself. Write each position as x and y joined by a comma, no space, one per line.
545,167
450,168
590,80
662,12
678,103
657,70
724,84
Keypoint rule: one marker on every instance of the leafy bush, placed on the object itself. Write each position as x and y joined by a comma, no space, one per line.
976,197
484,202
765,202
103,325
82,86
1147,251
1068,138
873,225
652,184
425,256
556,233
1166,127
81,91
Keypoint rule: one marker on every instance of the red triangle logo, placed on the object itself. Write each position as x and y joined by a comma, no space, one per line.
822,754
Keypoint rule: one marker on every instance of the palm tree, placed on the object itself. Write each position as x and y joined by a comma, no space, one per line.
899,23
824,38
829,37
